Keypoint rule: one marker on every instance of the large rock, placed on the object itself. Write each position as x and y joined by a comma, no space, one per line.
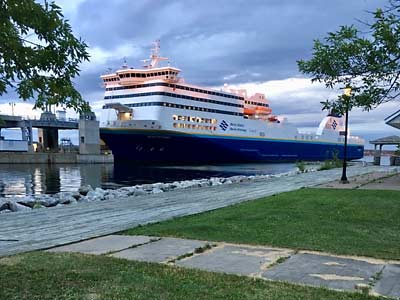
93,196
26,201
4,204
157,191
67,200
47,201
76,195
15,207
139,192
85,189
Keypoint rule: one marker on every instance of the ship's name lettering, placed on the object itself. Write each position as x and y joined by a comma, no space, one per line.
237,129
237,125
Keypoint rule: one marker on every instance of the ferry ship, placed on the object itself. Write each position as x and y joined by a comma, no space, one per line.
152,115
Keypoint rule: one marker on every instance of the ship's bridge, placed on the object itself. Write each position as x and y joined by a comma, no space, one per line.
150,71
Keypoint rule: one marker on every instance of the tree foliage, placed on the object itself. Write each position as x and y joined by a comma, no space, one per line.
39,55
367,62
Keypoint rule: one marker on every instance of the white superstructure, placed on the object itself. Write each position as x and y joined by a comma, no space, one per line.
156,97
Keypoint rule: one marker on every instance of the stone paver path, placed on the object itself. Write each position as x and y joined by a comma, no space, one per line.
46,228
314,269
163,250
324,270
233,259
389,283
105,244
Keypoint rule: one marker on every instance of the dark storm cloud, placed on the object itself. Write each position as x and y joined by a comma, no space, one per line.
214,42
211,40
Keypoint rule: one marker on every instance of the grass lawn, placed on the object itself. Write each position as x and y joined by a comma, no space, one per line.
353,222
40,275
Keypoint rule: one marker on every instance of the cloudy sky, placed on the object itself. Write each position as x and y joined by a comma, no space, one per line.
246,43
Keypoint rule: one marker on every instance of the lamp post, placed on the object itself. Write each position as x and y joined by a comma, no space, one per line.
347,93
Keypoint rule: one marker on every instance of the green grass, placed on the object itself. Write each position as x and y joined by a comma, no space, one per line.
352,222
58,276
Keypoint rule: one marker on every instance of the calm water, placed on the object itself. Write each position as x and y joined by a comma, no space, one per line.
22,180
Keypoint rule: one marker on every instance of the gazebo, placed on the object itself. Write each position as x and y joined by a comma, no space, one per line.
389,140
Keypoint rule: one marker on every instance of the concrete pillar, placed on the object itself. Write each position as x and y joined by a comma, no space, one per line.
48,138
377,156
89,134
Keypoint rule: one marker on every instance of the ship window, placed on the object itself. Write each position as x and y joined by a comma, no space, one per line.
143,75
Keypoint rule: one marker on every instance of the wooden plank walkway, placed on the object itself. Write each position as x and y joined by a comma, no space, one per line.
45,228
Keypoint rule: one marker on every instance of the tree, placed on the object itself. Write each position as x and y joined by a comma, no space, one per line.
365,65
368,63
39,55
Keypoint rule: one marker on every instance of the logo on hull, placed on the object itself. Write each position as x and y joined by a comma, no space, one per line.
224,126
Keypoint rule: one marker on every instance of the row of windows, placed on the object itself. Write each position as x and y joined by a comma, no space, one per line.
175,86
110,79
144,75
256,103
174,105
194,119
173,95
194,126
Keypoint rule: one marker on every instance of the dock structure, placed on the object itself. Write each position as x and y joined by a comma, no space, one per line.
48,126
378,145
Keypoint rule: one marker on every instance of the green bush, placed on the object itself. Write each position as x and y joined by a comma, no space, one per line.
301,166
335,162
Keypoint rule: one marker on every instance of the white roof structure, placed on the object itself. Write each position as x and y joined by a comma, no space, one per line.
394,120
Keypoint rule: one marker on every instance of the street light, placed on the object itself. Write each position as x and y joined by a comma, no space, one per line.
347,94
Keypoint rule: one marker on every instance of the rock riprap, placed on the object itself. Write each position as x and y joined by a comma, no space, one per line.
88,194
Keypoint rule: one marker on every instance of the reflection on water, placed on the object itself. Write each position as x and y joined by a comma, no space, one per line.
22,180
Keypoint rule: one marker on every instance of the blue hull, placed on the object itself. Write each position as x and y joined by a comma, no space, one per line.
173,147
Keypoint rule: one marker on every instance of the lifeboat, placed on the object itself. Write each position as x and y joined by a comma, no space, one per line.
249,111
262,110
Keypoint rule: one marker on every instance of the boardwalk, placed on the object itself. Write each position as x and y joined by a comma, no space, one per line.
44,228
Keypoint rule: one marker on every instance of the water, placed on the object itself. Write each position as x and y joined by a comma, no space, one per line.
23,180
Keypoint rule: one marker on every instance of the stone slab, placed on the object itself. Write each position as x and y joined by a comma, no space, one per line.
389,282
105,244
163,250
324,271
388,183
231,259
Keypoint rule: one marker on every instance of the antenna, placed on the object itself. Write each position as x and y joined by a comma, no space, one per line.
125,65
154,59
